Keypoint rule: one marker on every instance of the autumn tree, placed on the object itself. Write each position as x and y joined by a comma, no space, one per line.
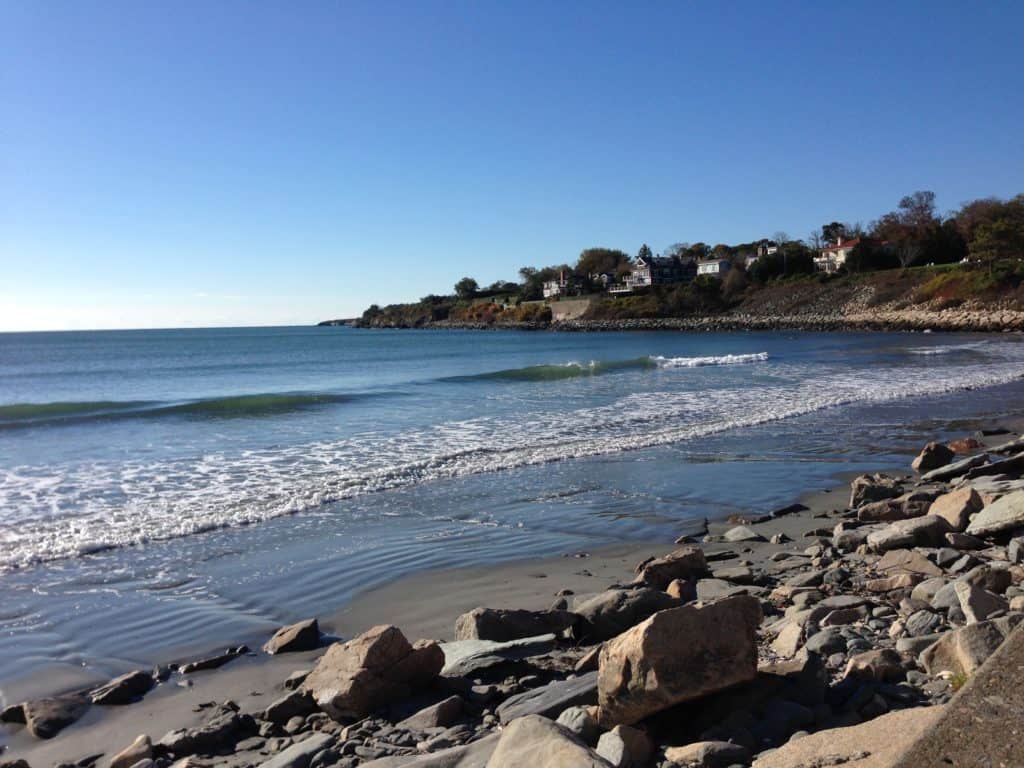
466,288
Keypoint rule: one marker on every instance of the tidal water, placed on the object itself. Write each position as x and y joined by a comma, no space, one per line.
163,491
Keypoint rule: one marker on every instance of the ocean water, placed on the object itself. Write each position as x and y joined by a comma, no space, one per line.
189,489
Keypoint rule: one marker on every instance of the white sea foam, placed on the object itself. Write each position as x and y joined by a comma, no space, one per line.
64,511
697,362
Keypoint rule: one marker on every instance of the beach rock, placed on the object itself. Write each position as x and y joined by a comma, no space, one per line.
443,714
927,589
961,651
988,576
537,742
303,636
294,704
683,590
1004,514
588,661
976,603
1009,467
625,747
212,662
379,666
967,445
300,755
502,625
907,561
465,657
580,721
677,655
45,718
684,563
140,749
932,456
224,728
124,689
787,642
954,470
472,755
920,531
708,754
877,487
892,583
883,665
826,642
612,612
874,744
957,507
963,542
550,700
742,533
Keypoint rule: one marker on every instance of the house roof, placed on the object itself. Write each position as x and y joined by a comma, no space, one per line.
842,244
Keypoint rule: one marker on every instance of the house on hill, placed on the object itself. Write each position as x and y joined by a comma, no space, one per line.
716,268
833,257
656,270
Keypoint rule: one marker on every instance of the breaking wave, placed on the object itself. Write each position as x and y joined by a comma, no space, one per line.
35,414
573,369
132,502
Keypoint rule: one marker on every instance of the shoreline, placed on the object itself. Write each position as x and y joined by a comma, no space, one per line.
426,604
882,318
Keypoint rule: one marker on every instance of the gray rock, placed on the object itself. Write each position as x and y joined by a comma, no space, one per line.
956,469
742,533
963,650
550,700
826,642
465,657
868,488
502,625
124,689
708,754
299,755
922,623
976,603
932,456
539,743
914,645
303,636
625,747
1004,514
294,704
443,714
45,718
685,563
579,721
612,612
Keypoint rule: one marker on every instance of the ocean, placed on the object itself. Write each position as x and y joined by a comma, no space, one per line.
174,490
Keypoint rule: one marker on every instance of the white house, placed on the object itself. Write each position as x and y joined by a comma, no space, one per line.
713,267
832,257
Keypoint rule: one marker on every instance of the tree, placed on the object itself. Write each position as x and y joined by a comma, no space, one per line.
466,288
834,232
1000,239
869,256
597,261
909,227
644,252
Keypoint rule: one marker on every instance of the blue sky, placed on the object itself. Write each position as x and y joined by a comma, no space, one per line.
196,163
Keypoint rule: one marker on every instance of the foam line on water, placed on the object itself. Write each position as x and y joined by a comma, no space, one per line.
120,504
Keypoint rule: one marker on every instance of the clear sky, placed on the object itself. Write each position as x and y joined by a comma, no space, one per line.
229,163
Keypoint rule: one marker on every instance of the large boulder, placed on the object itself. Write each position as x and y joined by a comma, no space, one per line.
356,678
957,507
963,650
463,658
708,754
537,742
1004,514
303,636
927,531
684,563
677,655
867,488
977,603
612,612
932,456
503,625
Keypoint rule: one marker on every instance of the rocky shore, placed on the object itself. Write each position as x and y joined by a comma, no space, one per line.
882,319
800,637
